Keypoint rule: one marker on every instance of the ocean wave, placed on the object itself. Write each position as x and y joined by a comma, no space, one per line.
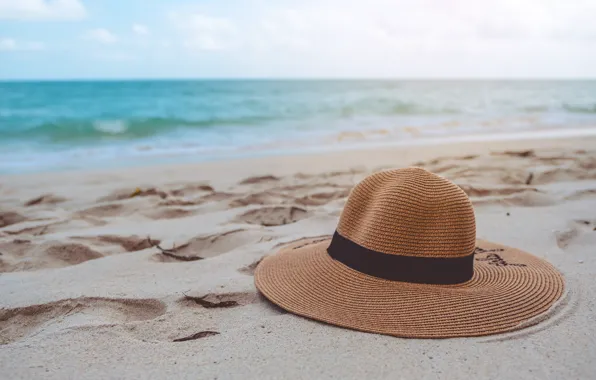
66,130
388,107
214,112
117,129
580,109
111,126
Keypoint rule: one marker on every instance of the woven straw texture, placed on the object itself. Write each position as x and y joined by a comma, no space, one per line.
509,287
410,212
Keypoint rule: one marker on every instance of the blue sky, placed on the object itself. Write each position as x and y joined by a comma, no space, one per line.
64,39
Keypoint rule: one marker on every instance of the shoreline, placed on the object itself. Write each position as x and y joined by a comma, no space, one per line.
544,138
319,150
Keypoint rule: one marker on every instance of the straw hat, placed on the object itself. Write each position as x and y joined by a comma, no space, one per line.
405,261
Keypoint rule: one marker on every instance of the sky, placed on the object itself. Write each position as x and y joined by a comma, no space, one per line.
100,39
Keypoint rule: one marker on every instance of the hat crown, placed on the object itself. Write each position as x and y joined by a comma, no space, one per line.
410,212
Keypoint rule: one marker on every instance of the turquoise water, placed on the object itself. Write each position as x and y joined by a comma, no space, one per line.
64,125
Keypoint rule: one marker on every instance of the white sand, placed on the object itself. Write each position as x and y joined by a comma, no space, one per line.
84,295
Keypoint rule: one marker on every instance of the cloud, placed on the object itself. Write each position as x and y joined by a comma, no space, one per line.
102,36
431,23
426,38
140,30
202,32
331,25
34,10
10,44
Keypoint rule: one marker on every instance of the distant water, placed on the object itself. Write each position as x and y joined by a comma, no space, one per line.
63,125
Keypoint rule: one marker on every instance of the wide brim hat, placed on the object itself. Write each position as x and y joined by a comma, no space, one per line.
404,261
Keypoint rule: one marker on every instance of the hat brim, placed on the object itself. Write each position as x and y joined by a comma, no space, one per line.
503,294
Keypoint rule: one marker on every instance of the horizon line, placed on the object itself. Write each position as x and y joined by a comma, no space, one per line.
133,79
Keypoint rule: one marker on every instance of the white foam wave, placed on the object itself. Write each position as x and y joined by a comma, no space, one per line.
114,127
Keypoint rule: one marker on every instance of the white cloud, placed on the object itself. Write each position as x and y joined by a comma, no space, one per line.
204,32
102,36
380,24
42,10
140,29
387,23
10,44
457,38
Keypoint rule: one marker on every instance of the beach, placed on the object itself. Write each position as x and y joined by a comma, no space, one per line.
147,272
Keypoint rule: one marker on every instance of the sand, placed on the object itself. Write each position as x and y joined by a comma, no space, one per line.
147,272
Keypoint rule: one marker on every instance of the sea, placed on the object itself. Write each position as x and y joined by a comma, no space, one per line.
73,125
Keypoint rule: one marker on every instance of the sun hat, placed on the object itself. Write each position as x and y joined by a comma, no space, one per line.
404,261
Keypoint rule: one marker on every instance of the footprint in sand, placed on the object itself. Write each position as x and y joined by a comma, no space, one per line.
45,199
35,229
200,316
588,163
512,153
220,300
8,250
319,199
250,268
562,174
123,194
193,317
71,254
509,196
280,195
299,243
169,213
202,247
204,199
216,197
8,218
191,189
23,255
523,167
486,173
179,202
107,210
259,179
260,198
273,216
19,322
526,198
473,166
229,300
205,190
130,243
38,227
118,209
580,232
